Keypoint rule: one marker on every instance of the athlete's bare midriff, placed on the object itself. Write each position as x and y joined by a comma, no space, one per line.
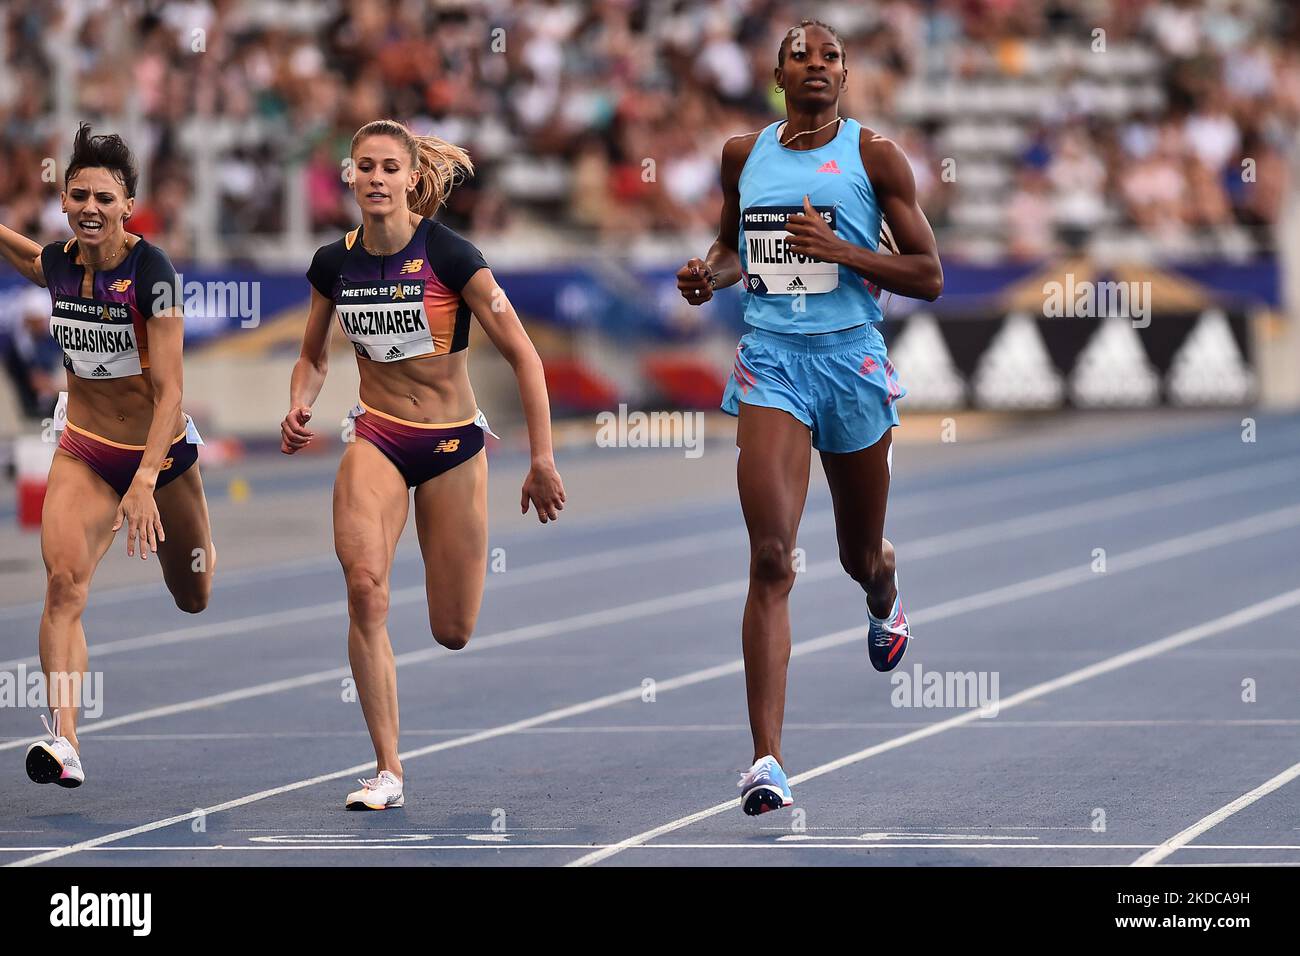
120,410
431,390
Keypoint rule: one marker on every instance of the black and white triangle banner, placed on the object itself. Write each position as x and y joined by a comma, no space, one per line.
1023,361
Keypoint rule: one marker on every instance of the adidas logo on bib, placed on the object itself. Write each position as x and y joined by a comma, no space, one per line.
796,285
393,353
100,372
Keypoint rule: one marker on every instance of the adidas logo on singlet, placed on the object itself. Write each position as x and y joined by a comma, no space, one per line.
796,285
393,353
100,372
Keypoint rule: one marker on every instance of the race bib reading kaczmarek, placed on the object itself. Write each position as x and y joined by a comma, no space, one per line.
774,268
386,321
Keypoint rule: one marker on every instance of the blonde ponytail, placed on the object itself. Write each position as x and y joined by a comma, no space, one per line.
440,165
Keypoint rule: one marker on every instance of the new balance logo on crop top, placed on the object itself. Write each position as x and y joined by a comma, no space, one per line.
106,335
773,183
404,305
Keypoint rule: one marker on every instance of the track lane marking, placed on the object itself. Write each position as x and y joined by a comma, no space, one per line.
1181,839
1268,522
1239,618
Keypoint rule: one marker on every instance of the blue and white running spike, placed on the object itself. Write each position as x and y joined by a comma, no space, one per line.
763,787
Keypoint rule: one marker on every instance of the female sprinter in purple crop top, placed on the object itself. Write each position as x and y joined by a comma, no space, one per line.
404,288
128,455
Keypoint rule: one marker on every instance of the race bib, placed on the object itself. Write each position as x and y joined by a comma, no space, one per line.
774,269
97,337
385,321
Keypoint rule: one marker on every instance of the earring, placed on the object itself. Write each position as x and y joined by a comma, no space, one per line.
780,89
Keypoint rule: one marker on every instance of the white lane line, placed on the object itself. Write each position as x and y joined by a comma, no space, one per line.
1246,615
517,635
678,729
198,632
987,491
889,836
1212,537
1180,492
1182,839
1140,501
405,553
562,713
1235,865
934,546
505,845
157,590
601,560
903,830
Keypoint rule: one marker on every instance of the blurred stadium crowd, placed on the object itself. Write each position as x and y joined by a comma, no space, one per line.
1166,134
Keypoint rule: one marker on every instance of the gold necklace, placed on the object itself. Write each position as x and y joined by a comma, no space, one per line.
95,263
785,142
397,250
381,254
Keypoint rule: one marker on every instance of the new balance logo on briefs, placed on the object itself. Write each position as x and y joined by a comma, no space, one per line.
830,166
795,284
100,372
393,353
447,444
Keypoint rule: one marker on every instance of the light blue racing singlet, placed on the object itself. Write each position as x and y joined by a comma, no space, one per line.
772,186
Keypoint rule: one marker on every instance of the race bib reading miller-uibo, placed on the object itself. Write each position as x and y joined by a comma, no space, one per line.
775,269
385,321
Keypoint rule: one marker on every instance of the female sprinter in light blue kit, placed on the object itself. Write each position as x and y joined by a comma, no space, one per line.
404,288
803,204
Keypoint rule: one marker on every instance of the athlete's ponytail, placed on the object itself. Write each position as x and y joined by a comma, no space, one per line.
440,165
